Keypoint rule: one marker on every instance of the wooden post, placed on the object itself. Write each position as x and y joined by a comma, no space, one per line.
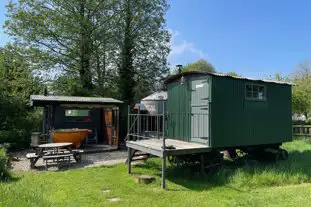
129,160
163,169
117,126
45,120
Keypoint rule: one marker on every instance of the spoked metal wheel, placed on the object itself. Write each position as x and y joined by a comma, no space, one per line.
283,154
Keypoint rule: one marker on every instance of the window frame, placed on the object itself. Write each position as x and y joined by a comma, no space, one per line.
67,109
257,85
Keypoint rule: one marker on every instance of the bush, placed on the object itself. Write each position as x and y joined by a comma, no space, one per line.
4,172
18,133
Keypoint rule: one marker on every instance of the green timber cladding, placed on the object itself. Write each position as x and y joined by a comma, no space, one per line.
215,109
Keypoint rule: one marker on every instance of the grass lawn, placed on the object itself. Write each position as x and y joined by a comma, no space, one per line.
285,183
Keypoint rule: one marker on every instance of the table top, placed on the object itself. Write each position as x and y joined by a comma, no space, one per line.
55,145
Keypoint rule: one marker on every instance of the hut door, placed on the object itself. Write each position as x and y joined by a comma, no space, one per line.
110,129
200,111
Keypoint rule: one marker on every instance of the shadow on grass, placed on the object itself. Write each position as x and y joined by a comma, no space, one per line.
10,179
238,176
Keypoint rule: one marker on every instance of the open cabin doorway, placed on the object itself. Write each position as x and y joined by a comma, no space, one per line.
111,126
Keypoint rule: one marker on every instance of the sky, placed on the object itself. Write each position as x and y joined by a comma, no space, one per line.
255,38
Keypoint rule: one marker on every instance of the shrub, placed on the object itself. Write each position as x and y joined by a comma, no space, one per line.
4,172
18,133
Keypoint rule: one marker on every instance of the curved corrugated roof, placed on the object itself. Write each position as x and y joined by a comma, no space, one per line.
157,96
177,76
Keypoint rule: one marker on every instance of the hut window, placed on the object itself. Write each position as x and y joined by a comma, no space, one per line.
255,92
77,112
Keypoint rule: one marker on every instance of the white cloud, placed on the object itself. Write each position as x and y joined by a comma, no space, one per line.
179,48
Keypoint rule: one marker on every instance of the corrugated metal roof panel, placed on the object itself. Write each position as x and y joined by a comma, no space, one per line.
174,77
157,96
73,99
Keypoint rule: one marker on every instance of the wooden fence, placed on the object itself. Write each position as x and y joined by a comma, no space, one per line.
302,130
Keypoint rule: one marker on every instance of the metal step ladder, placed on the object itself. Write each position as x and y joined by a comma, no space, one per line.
139,156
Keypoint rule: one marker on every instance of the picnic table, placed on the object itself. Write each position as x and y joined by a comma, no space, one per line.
57,152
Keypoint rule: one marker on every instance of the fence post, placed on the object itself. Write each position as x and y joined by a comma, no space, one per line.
163,168
138,122
163,125
128,123
163,147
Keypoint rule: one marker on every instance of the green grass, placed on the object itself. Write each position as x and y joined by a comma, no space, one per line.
285,183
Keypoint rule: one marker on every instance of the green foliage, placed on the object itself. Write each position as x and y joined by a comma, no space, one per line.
17,118
94,47
4,171
144,47
302,91
233,74
200,65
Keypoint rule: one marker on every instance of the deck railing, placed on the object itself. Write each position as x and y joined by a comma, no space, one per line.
302,130
184,126
144,126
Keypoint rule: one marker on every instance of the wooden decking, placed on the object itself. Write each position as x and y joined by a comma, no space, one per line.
173,147
154,147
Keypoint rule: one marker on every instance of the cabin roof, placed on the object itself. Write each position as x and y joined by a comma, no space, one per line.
177,76
41,100
157,96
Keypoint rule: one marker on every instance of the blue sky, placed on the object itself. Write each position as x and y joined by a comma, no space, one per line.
253,38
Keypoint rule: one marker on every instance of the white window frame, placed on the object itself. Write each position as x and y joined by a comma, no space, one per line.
255,98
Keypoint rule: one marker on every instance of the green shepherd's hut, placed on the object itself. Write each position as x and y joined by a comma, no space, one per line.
228,112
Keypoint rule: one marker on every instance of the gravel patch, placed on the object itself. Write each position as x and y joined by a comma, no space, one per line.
88,160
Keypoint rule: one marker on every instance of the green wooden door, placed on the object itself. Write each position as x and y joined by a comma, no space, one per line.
200,99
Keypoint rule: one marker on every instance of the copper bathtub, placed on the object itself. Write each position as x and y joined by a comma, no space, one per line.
75,136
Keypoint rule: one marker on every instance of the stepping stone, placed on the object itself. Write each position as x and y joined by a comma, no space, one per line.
113,199
144,179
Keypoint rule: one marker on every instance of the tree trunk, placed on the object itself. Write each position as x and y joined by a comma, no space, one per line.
127,82
84,72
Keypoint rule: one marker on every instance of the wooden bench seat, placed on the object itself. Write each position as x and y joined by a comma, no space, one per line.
78,151
58,158
65,151
50,157
31,155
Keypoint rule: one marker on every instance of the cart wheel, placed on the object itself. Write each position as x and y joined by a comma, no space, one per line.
283,154
78,157
172,160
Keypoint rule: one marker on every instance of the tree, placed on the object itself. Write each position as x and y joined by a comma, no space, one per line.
97,47
280,77
200,65
302,90
144,45
17,83
65,32
233,74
